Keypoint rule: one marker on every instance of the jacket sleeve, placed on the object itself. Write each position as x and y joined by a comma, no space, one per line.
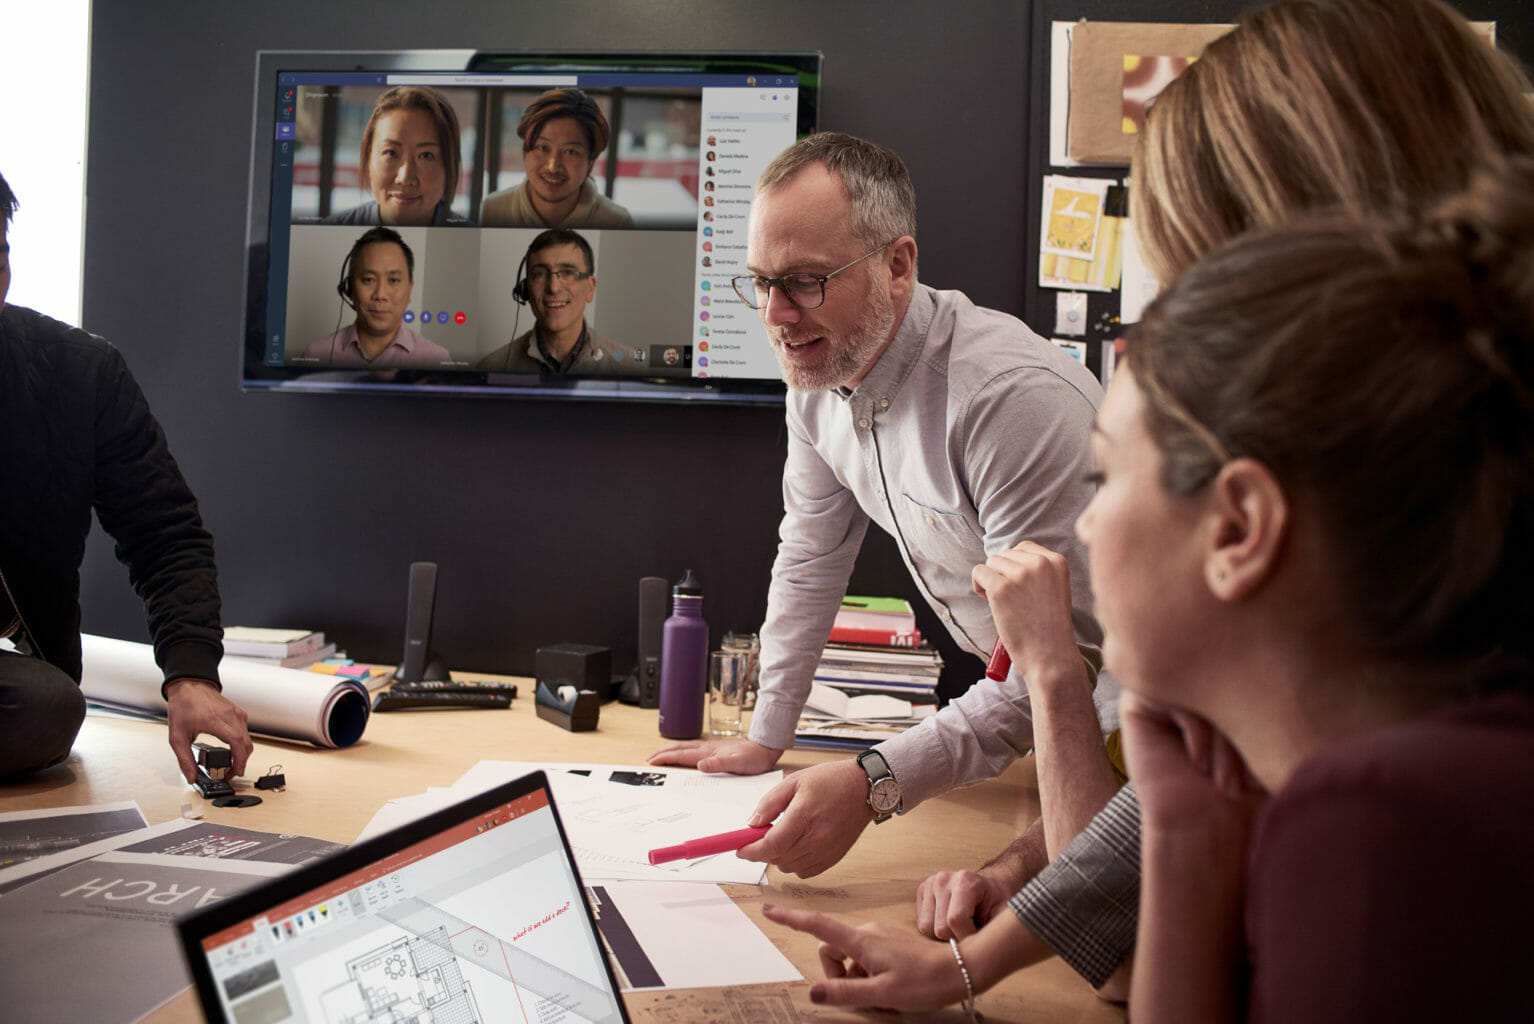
145,505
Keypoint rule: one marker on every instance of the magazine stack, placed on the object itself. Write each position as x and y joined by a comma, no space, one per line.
876,677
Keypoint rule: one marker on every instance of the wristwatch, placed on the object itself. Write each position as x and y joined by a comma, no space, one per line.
883,790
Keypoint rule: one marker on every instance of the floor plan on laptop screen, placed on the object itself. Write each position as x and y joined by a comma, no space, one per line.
485,926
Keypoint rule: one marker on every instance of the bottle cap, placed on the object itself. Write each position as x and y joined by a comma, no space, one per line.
687,586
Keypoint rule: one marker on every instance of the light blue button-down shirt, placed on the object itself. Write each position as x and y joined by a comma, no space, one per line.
969,435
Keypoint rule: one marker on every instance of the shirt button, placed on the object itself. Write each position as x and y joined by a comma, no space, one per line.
944,615
884,403
931,521
863,422
881,495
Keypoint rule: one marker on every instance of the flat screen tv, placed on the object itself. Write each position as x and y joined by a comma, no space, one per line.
398,195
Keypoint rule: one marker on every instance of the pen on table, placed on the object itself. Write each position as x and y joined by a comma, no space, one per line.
999,664
720,843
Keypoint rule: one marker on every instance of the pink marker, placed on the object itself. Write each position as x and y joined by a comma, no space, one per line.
721,843
1000,663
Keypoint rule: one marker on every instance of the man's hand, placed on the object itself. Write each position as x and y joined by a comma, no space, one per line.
816,815
737,757
951,904
197,706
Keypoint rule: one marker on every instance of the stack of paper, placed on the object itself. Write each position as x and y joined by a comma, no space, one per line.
88,927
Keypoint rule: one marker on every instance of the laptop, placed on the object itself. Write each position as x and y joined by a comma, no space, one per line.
475,913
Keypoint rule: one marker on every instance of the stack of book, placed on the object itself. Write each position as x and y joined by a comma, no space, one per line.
288,648
876,677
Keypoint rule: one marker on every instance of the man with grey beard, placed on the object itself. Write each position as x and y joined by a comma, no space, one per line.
966,437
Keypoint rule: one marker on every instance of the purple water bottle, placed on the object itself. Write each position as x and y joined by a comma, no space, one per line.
683,662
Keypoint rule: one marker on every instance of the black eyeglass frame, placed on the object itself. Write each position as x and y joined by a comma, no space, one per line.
766,284
561,274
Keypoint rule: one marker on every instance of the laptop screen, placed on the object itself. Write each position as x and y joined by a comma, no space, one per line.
476,913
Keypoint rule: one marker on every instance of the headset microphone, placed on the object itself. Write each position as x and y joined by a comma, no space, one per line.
344,285
519,290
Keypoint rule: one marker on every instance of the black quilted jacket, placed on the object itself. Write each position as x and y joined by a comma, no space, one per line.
76,434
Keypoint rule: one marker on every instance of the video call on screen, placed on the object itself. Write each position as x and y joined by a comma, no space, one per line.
682,160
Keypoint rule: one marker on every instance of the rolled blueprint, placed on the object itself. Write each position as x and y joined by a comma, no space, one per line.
328,711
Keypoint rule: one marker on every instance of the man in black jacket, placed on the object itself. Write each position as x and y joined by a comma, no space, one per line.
77,434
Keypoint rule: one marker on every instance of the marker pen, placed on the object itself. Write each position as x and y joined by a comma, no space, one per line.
1000,663
720,843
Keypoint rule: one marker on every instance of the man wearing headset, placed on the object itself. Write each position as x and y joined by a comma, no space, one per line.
558,280
377,277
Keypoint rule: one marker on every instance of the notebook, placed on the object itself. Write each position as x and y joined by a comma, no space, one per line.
475,913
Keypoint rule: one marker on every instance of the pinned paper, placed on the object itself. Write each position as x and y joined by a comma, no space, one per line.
1117,68
1083,233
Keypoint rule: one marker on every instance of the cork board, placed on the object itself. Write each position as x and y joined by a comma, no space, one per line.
1105,57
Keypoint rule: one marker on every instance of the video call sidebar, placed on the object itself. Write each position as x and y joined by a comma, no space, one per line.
730,339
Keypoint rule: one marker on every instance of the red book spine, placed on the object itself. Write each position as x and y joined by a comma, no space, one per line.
877,637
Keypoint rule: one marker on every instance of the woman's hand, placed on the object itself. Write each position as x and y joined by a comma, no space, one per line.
876,964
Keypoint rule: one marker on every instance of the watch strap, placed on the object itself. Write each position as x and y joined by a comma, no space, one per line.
878,771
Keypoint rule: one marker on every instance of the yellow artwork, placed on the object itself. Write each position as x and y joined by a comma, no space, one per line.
1080,242
1073,220
1144,78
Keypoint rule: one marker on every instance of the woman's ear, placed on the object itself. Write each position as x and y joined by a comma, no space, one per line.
1248,518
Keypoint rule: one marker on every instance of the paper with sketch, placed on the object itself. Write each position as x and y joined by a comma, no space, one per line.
615,815
27,835
683,935
93,940
612,830
491,773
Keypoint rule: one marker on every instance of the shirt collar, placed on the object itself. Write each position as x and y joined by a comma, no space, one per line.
903,352
403,339
537,351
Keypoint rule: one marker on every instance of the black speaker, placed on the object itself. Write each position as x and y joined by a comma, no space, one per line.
652,616
583,666
420,662
643,684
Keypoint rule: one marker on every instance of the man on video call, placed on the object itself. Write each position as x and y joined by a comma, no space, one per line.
377,279
79,435
961,433
559,283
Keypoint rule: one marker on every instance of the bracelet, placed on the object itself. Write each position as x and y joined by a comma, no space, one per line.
968,1005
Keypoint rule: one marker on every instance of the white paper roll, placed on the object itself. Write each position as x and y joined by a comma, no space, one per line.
328,711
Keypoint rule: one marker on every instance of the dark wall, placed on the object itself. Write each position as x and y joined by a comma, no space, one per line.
541,515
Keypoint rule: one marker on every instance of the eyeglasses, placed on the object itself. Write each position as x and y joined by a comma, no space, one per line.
806,291
564,275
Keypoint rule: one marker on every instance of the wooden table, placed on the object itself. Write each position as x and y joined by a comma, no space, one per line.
332,794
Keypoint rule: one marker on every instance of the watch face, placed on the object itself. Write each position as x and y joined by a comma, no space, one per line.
884,796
